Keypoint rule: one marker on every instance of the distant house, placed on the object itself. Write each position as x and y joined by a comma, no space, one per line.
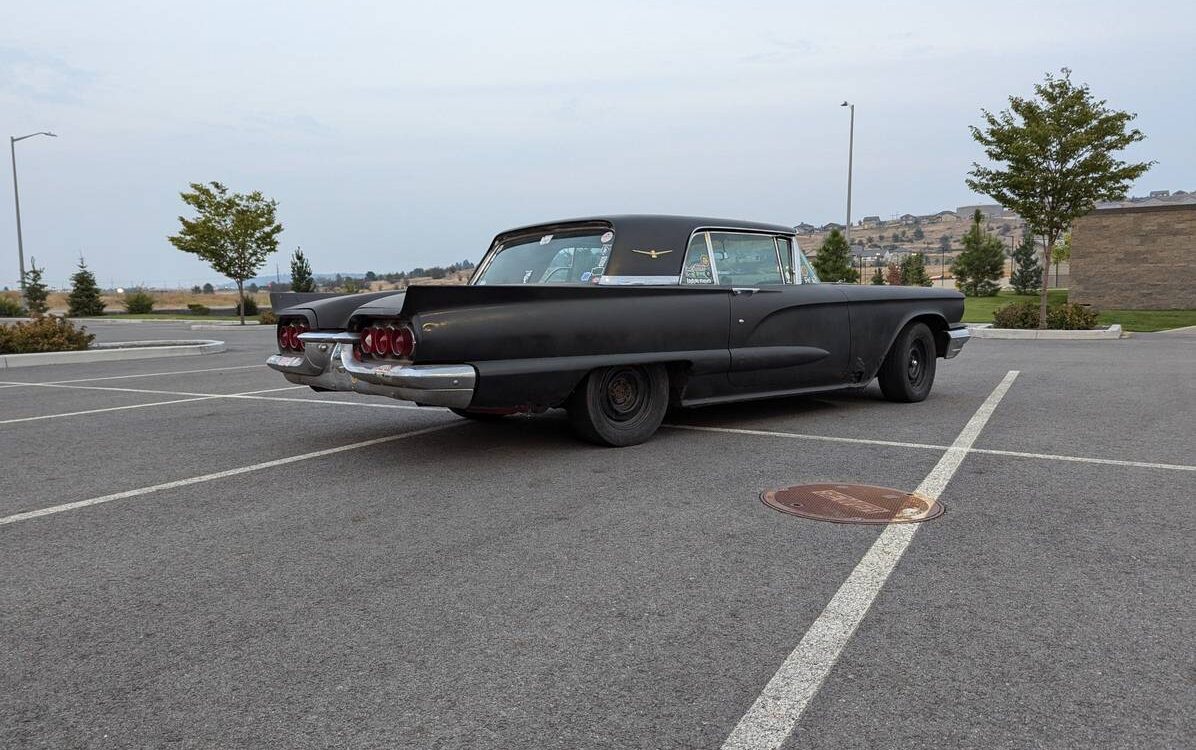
942,216
805,228
829,226
908,219
869,222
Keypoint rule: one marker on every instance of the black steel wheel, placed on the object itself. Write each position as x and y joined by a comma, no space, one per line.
907,373
620,406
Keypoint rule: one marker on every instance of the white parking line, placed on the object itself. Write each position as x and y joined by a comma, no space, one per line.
775,713
140,375
220,474
932,446
250,395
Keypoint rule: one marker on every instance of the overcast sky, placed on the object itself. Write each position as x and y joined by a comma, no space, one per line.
400,134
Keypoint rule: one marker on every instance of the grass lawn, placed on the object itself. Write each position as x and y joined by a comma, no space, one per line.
981,309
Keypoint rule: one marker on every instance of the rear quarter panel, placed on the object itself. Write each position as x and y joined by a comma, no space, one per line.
879,313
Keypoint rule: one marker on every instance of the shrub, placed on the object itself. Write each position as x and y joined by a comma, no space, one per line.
1064,316
44,334
138,302
1071,317
10,307
1017,315
250,307
267,318
198,309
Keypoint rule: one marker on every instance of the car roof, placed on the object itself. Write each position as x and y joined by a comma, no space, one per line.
658,222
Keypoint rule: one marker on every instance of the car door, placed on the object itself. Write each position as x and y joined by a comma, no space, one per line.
784,334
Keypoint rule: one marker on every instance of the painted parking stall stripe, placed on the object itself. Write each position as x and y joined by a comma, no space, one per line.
774,714
27,515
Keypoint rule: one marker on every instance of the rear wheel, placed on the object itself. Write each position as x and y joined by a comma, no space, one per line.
908,370
620,406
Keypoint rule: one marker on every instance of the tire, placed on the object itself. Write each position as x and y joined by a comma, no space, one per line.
620,406
907,373
478,416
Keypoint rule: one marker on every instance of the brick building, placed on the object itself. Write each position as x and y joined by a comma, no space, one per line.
1137,257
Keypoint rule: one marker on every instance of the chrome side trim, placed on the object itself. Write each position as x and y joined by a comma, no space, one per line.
956,338
632,280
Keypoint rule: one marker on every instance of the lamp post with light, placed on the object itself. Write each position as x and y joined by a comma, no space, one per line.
16,196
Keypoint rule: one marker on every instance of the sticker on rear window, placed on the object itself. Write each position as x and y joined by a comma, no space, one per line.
607,237
546,239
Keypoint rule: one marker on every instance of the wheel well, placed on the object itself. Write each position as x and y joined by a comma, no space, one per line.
938,328
678,372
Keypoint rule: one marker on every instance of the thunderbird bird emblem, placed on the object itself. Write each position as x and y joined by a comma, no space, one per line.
653,254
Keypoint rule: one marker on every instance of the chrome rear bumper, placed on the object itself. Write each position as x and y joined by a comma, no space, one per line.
956,338
328,361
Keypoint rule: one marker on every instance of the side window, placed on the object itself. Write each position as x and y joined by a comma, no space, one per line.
808,276
785,252
746,259
697,268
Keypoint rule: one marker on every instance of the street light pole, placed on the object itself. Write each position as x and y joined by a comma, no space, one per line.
16,197
850,154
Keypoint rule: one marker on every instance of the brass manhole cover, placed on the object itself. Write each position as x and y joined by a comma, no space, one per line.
852,503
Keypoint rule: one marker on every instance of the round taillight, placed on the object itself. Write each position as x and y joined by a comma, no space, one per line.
299,329
282,337
382,340
367,341
402,342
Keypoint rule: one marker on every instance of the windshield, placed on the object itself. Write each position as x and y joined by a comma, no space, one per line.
576,256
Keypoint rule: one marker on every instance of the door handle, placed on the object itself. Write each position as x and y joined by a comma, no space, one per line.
744,290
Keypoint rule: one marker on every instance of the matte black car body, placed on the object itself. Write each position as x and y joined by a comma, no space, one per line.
529,346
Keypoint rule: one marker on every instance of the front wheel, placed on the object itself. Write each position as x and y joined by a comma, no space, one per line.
620,406
907,373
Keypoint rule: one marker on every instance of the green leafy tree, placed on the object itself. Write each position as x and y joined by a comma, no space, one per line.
1054,157
84,300
1061,254
301,278
945,243
878,277
197,289
233,233
36,290
981,262
833,261
919,234
209,289
913,270
1027,271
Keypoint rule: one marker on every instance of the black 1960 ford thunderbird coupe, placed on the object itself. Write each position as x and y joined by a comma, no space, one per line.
616,318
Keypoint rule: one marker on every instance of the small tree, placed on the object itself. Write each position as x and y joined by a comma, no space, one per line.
234,233
945,243
913,271
893,274
1055,158
981,263
301,278
878,278
1027,272
1061,254
36,291
84,300
197,289
209,289
919,234
833,262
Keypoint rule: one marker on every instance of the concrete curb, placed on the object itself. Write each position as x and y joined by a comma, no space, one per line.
986,331
115,352
225,326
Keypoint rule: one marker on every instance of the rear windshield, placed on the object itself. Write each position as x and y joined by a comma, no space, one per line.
576,256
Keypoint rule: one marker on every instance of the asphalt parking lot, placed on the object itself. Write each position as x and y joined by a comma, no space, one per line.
197,555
